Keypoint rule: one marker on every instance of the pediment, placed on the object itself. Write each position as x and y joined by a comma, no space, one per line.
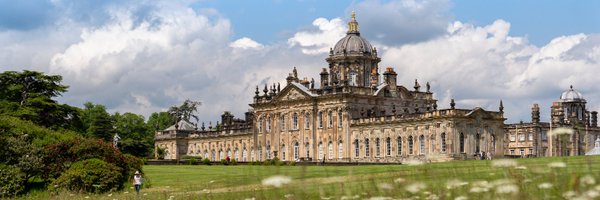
478,113
292,92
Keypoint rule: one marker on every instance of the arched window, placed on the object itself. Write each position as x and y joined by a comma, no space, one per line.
356,148
321,156
283,152
307,148
410,145
282,123
268,151
421,145
399,141
252,155
388,146
461,142
268,124
205,154
260,124
367,147
352,78
296,151
340,119
320,119
306,121
244,155
477,138
330,150
229,153
340,150
330,118
220,154
212,155
260,153
295,121
236,154
443,141
377,147
432,143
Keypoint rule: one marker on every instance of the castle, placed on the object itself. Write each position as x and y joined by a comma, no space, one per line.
354,116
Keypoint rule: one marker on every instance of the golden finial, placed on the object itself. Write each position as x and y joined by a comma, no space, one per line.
353,25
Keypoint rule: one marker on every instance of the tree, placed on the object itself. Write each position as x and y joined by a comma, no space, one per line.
185,111
97,122
159,121
28,95
135,137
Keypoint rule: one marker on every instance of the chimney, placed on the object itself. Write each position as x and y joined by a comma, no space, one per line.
594,119
389,77
324,76
535,114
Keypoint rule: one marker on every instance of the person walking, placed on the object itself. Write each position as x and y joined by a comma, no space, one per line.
137,181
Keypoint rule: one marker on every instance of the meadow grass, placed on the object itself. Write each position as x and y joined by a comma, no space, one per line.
533,178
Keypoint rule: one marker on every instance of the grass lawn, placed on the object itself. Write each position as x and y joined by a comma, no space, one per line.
534,178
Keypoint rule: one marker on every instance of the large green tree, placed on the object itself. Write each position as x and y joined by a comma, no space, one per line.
133,131
185,111
97,122
159,121
28,95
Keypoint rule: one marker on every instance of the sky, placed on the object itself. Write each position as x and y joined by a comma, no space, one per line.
143,56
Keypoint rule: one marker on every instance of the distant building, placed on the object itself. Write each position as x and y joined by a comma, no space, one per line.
535,138
351,116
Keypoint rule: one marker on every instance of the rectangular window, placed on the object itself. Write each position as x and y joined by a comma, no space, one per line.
295,121
522,137
512,152
388,146
377,147
340,119
512,137
340,150
367,147
282,123
399,140
330,150
530,151
356,148
522,152
306,121
330,118
320,119
544,136
530,136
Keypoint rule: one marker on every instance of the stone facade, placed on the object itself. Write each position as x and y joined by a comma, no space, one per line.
353,115
571,131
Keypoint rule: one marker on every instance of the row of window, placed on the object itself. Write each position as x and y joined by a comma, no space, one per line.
294,121
513,137
388,146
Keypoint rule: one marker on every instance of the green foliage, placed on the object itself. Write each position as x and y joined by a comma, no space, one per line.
233,162
91,175
28,95
97,122
192,161
159,121
224,162
186,111
206,161
11,181
65,153
23,155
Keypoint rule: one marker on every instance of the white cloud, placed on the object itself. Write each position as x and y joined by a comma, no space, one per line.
246,43
319,41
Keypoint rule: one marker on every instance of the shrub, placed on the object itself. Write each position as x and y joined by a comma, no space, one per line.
233,162
292,163
91,175
224,162
11,181
192,161
206,161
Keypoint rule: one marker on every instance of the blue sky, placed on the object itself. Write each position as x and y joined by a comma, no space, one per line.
144,56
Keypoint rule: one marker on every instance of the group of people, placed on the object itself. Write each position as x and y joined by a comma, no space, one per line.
483,156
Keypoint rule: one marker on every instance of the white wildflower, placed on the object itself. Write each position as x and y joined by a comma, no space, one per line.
276,181
125,192
380,198
507,189
478,189
385,186
496,183
87,197
592,194
145,194
557,165
587,180
415,187
109,194
520,167
399,180
455,183
504,163
211,181
350,197
287,196
569,194
545,185
432,197
250,198
561,131
325,198
461,198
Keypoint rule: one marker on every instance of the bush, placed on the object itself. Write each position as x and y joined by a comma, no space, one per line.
11,181
233,162
91,175
292,163
192,161
206,161
224,162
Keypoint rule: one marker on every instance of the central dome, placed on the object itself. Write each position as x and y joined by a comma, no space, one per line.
571,95
352,44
